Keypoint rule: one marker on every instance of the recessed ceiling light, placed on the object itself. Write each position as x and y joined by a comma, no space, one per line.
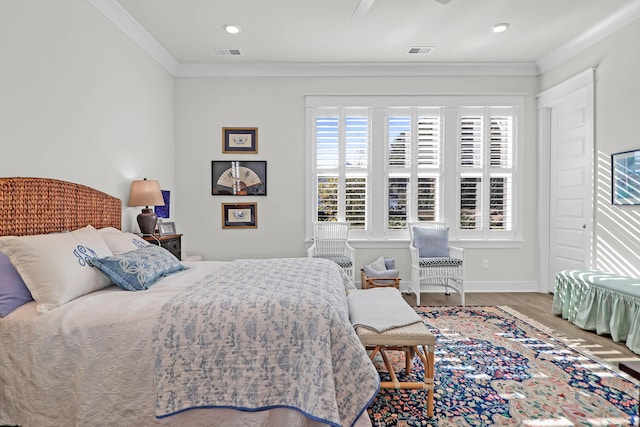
231,29
500,28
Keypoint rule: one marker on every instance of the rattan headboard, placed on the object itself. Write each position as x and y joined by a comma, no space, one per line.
42,205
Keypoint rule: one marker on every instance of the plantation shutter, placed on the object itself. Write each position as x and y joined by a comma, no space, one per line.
342,163
429,161
399,155
413,165
471,138
501,171
485,166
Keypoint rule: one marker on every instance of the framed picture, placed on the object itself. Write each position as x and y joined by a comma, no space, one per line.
163,211
166,228
236,178
239,215
625,178
239,140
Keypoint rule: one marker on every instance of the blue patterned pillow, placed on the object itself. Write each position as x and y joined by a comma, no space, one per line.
431,243
139,269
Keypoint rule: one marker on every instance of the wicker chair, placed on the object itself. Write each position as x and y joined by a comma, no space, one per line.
443,265
330,242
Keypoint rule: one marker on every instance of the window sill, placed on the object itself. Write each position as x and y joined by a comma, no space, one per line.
467,244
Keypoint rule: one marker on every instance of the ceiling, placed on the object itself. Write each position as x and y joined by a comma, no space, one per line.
324,31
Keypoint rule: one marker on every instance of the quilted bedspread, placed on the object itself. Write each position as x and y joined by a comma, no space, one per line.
263,334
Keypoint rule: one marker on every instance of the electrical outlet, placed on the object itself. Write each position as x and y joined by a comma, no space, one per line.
485,264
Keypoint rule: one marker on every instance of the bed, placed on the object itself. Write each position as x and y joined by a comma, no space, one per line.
249,342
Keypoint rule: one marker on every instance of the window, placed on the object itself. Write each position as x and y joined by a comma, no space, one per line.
342,165
379,162
413,165
486,172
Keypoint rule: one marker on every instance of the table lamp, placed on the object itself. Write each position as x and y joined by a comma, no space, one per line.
146,193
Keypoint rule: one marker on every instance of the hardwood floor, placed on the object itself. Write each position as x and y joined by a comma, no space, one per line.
538,307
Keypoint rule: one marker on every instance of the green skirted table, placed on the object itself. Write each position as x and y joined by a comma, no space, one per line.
602,302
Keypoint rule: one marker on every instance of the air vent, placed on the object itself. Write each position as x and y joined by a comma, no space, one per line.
229,52
420,50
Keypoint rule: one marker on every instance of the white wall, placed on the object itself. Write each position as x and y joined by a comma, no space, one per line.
276,107
617,91
79,101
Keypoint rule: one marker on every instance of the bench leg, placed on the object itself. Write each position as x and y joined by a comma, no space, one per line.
427,358
428,361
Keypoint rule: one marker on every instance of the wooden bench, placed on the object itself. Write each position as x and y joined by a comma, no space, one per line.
414,339
598,301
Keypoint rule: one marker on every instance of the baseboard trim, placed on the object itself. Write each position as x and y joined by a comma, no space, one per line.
509,286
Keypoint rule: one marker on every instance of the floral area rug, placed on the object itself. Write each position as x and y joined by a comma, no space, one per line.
494,368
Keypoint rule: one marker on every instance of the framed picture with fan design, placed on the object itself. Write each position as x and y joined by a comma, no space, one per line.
238,178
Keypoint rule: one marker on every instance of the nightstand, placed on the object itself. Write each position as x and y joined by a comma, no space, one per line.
170,242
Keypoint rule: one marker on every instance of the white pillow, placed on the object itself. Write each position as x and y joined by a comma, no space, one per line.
108,230
122,242
378,264
54,266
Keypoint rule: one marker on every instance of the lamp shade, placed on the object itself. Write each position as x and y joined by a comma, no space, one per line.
145,193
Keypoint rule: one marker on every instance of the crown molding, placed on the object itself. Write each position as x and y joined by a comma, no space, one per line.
357,69
113,11
125,22
607,26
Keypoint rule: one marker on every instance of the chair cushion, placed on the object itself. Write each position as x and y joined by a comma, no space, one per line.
431,242
439,262
342,261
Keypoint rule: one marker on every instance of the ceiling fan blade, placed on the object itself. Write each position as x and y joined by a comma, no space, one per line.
443,1
362,8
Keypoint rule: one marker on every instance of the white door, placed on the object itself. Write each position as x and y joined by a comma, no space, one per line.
569,130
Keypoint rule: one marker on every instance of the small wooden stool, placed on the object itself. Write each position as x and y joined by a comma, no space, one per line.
378,282
408,338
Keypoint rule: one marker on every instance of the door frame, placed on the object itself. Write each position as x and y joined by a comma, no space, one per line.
583,82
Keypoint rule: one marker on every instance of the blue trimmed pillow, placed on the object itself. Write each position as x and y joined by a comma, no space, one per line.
13,291
431,242
138,269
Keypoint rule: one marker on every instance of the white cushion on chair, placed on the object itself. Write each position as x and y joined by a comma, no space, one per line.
431,243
